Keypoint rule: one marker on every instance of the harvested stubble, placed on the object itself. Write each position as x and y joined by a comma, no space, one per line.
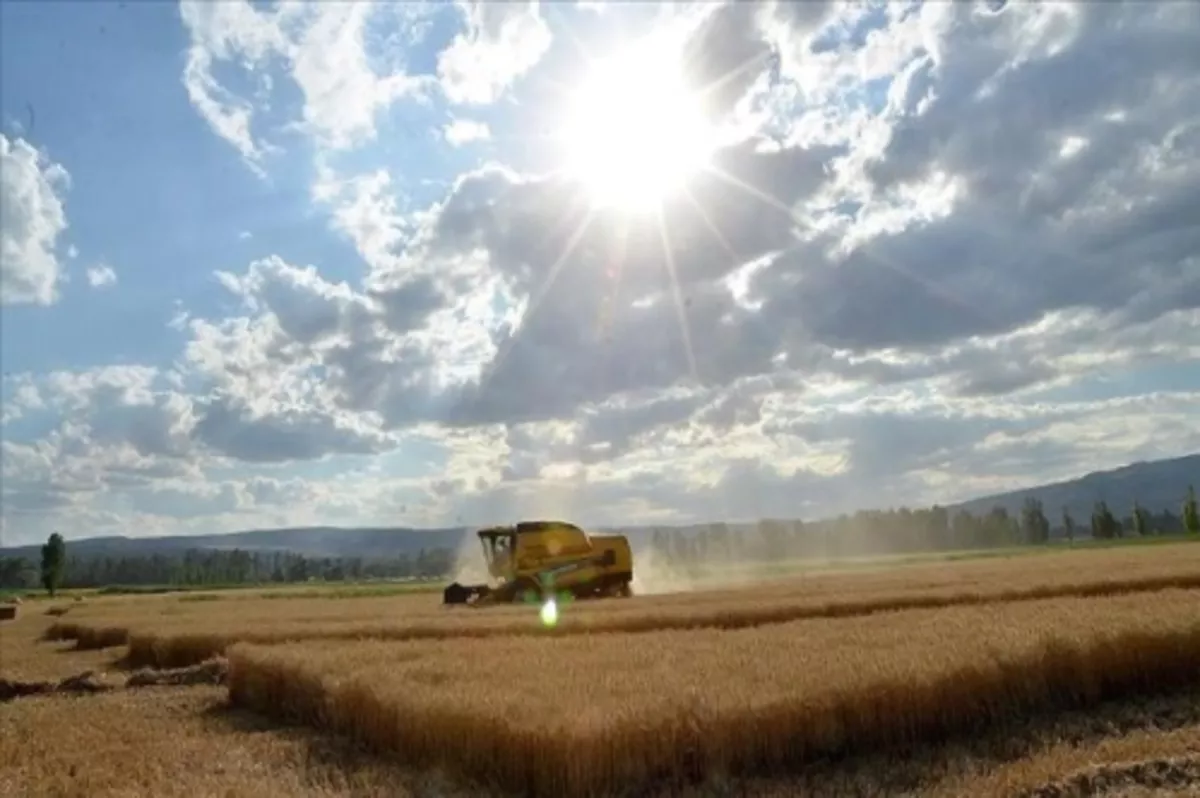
22,658
172,643
180,743
592,714
1129,761
999,763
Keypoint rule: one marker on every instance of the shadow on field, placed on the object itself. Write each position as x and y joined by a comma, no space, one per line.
340,753
916,769
118,662
919,769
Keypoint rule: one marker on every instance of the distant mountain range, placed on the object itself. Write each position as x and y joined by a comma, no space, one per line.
1157,485
318,541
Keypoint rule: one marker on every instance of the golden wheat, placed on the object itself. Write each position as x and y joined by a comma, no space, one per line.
165,632
587,714
178,743
24,659
967,576
179,739
170,644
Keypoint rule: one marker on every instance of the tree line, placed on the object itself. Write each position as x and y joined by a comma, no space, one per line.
210,567
907,531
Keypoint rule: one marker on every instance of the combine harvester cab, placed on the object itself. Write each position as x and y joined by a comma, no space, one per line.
535,560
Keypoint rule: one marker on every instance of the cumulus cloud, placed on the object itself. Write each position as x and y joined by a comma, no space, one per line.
502,42
323,49
464,131
101,275
932,232
32,219
830,261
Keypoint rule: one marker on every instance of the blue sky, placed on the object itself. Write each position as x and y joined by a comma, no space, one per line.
357,264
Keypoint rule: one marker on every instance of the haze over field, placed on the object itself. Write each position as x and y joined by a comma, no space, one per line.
439,265
1157,487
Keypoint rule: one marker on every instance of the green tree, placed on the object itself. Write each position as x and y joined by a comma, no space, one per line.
1069,525
54,561
1141,520
1191,517
1105,525
17,572
1034,523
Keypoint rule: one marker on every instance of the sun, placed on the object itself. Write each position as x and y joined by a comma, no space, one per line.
634,131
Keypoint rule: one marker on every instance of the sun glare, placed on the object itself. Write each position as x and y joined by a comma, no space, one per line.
634,131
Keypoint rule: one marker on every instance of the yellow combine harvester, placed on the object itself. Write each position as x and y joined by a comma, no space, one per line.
535,560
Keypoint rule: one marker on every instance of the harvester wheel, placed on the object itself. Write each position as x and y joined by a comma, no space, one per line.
462,594
455,594
527,588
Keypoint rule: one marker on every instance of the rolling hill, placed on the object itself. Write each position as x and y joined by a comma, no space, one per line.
1157,485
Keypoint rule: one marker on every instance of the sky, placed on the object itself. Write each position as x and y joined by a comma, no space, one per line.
276,264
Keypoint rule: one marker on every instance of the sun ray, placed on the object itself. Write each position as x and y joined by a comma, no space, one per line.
731,74
677,293
605,323
540,295
753,191
931,287
711,225
617,267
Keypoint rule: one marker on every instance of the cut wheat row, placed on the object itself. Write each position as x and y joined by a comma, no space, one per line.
166,644
587,715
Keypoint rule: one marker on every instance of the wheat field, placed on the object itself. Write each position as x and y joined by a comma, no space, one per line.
590,714
181,743
943,679
180,631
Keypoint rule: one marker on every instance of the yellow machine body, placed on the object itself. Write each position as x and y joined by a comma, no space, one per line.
547,558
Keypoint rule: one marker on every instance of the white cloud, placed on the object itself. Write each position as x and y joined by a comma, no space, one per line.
31,220
101,275
323,49
223,31
964,279
464,131
502,42
342,92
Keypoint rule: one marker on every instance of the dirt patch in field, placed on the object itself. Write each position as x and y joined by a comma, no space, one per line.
1016,758
1160,776
86,682
213,672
